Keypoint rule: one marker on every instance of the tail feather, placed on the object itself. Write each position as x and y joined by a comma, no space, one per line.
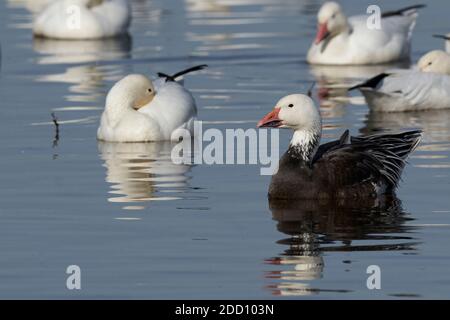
441,36
401,12
390,151
372,82
180,73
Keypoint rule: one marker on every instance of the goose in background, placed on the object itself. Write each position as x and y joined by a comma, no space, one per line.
349,168
424,88
446,37
138,109
83,19
349,41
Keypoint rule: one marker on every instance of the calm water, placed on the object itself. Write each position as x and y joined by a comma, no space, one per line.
141,227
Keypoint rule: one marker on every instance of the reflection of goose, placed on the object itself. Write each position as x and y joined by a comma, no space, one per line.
434,123
350,41
83,19
334,81
33,6
315,227
138,109
63,51
206,6
411,90
141,172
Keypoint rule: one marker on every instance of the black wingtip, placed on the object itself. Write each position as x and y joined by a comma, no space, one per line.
441,36
401,11
183,72
371,83
309,92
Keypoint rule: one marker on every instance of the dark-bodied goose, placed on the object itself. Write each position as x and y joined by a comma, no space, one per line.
351,167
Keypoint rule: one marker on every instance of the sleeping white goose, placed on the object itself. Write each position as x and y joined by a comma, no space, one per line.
138,109
446,37
349,168
83,19
424,88
346,41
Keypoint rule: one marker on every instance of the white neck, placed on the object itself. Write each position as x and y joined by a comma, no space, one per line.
304,144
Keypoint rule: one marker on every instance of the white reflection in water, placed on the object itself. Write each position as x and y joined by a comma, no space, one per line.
86,81
140,172
81,51
34,6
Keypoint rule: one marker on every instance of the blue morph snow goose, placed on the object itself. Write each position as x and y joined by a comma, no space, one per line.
351,167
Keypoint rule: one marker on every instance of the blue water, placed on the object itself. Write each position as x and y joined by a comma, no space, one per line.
139,226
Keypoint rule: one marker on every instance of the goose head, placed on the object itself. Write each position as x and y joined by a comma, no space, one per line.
436,61
295,111
331,21
134,91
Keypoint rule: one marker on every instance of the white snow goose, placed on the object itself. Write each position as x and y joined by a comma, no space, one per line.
349,41
425,88
138,109
349,168
83,19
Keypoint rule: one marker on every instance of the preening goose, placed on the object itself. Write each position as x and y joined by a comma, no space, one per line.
349,168
346,41
138,109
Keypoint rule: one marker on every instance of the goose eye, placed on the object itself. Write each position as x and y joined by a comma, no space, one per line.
430,63
291,105
150,90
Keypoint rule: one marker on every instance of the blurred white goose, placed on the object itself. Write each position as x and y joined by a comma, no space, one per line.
446,38
83,19
345,41
139,110
424,88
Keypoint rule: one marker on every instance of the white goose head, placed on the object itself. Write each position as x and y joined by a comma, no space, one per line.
132,92
299,113
436,61
331,21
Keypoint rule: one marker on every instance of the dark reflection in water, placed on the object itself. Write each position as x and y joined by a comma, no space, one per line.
142,172
314,227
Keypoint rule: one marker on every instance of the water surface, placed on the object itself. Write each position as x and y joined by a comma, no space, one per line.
140,226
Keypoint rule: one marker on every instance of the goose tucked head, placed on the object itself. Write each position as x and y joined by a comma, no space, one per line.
133,91
331,21
436,61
